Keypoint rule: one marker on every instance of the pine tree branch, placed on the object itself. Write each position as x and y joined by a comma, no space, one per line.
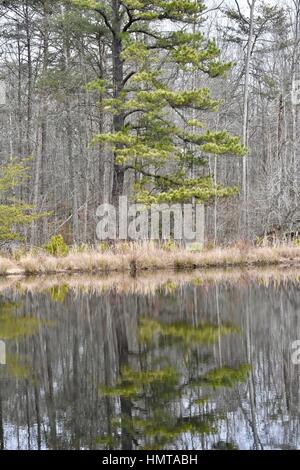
106,20
128,77
167,179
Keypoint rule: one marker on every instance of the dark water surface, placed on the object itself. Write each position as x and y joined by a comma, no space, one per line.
201,366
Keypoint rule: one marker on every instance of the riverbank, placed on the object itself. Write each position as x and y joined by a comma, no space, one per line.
137,258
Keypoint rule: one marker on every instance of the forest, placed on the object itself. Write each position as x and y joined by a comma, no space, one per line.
138,340
163,101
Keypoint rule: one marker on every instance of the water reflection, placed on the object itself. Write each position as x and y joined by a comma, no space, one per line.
199,366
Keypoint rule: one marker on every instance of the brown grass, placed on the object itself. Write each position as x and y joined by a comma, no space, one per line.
136,258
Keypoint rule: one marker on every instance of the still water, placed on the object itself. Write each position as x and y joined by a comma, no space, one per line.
202,364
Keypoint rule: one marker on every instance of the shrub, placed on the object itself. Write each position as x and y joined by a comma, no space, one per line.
296,242
195,247
103,247
169,245
260,241
56,246
18,254
209,246
82,248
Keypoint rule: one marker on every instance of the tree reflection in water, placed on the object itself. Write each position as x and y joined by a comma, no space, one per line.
200,366
166,394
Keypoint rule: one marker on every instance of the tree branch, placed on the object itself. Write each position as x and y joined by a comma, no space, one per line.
106,20
151,175
126,79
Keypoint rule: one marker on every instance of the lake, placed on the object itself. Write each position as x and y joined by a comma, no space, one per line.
166,361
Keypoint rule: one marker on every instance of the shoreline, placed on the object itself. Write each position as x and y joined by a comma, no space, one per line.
135,259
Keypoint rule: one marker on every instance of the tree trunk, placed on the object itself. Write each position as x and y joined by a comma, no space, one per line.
30,82
246,117
118,79
41,156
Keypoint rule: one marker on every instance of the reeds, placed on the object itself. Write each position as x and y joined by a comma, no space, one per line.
135,258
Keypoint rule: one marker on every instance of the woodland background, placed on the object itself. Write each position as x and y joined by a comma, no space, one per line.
49,51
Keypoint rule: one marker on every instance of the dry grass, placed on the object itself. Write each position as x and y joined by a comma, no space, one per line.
5,266
136,258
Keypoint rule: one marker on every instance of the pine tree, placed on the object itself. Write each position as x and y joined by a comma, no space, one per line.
13,214
155,131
